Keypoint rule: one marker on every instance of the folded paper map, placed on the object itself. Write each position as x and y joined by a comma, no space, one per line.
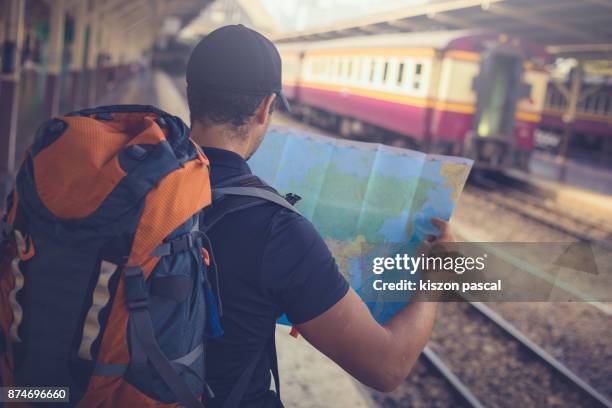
362,197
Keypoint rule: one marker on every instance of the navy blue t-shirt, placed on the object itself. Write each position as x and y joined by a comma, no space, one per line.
270,261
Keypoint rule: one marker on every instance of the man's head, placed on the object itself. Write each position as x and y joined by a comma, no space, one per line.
233,82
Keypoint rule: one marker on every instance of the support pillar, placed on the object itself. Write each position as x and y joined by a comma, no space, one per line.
91,73
78,55
569,117
54,60
9,91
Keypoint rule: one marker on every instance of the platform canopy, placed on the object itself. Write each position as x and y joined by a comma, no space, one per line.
165,16
568,28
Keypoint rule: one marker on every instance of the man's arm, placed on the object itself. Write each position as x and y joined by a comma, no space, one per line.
378,356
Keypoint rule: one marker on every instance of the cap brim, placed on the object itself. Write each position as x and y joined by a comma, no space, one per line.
284,101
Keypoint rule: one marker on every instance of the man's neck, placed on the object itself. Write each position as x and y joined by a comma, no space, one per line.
220,137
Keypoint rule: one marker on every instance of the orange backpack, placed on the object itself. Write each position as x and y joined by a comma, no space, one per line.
107,281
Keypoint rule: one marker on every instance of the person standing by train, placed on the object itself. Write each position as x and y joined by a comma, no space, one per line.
272,260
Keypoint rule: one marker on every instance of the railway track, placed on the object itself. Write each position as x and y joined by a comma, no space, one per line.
469,395
453,380
542,210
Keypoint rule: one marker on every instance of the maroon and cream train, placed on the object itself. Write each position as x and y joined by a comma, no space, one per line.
593,126
464,93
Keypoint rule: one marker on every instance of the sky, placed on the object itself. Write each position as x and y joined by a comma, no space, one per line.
283,16
299,15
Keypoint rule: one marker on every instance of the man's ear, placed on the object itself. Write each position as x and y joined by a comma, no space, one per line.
264,109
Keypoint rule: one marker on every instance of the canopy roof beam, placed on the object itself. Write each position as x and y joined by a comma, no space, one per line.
453,21
527,17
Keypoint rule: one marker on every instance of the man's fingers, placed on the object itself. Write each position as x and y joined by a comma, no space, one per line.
440,223
444,228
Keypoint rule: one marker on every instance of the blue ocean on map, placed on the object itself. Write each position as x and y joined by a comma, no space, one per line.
365,199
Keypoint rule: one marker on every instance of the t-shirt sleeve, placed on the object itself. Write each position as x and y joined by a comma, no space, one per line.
299,270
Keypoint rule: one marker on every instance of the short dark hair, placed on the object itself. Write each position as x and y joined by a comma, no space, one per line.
210,106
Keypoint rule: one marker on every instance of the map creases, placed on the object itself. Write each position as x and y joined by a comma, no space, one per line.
363,198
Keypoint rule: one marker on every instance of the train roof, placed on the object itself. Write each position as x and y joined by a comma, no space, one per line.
465,40
432,39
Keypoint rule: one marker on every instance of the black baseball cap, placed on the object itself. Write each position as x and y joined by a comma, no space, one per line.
235,59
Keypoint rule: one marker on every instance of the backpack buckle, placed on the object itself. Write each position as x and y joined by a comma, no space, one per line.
292,198
140,304
136,294
183,243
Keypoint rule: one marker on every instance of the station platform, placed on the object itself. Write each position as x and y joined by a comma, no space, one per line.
579,175
308,378
596,205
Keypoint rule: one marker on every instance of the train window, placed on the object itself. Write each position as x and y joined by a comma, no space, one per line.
588,103
372,70
591,103
400,73
596,102
349,70
603,103
418,71
606,103
599,102
550,96
358,69
385,71
364,70
558,100
340,68
418,68
582,103
562,102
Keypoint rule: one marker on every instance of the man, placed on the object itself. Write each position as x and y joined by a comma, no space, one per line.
271,260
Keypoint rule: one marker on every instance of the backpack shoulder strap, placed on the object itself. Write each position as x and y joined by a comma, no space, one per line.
257,192
240,388
240,193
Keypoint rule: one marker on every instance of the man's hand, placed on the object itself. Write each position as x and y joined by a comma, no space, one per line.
445,234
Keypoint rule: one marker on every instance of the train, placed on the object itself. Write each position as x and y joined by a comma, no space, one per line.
468,93
592,130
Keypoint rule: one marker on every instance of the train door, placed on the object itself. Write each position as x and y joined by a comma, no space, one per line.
498,89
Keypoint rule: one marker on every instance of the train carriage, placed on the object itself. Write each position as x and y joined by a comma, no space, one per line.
592,129
461,92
